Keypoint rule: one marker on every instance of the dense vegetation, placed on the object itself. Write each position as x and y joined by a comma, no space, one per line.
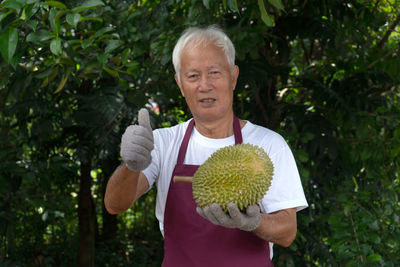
323,73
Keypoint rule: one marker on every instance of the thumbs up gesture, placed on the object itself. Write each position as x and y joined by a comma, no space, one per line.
137,143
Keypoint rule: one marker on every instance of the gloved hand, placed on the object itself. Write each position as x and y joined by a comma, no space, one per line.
248,221
137,143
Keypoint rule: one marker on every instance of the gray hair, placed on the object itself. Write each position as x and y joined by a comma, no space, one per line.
211,34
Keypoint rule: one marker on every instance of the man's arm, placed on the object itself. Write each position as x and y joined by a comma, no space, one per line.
123,189
128,183
279,227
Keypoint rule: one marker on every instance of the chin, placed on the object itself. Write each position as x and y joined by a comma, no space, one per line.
210,115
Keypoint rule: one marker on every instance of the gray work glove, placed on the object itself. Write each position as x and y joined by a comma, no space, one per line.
248,221
137,143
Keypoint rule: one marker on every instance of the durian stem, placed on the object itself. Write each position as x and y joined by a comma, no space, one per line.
183,179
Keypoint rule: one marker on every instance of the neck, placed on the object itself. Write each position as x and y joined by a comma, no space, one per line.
216,129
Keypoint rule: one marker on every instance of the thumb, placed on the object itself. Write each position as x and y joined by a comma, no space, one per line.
253,210
144,119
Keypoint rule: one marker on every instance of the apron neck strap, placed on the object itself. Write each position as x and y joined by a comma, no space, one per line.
182,150
185,142
237,131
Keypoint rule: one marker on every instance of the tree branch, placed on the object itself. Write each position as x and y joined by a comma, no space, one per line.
382,58
356,238
376,6
306,55
304,4
387,34
260,105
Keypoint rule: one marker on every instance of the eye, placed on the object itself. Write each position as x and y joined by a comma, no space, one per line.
192,76
214,73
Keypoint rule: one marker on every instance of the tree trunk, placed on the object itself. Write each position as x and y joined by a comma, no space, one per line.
110,227
87,218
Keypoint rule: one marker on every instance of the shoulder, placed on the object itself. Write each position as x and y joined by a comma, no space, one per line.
271,141
172,132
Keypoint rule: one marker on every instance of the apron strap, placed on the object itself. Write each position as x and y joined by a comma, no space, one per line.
182,150
237,131
185,142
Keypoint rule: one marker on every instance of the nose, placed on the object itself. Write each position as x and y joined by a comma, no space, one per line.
205,84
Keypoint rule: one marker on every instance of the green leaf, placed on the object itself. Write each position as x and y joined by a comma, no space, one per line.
102,59
125,55
133,68
33,24
39,36
304,173
306,137
55,46
92,18
114,44
55,4
16,59
264,15
5,73
355,183
206,3
347,210
44,74
28,12
101,32
54,21
277,3
374,257
86,43
396,133
8,43
4,15
302,155
73,19
12,4
63,81
113,73
395,151
87,5
233,5
50,77
224,4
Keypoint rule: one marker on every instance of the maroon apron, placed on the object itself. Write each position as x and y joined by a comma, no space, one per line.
191,240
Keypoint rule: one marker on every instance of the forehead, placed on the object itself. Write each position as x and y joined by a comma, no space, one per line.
203,53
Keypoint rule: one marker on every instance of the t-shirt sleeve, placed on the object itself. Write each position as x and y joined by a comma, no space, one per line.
286,190
152,171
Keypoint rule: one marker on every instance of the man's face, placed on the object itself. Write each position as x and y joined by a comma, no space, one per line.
207,83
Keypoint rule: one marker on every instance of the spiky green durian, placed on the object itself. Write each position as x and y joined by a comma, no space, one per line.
240,174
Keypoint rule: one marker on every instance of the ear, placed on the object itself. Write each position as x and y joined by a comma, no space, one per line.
235,75
179,84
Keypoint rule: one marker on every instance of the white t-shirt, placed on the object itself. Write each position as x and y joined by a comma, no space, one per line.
285,191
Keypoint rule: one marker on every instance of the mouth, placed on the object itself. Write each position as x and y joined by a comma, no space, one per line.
207,100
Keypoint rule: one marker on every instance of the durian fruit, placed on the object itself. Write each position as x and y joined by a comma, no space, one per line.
240,174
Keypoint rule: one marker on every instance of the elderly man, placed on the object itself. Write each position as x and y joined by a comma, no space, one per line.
204,62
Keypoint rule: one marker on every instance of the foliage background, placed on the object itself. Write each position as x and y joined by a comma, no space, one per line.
73,74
